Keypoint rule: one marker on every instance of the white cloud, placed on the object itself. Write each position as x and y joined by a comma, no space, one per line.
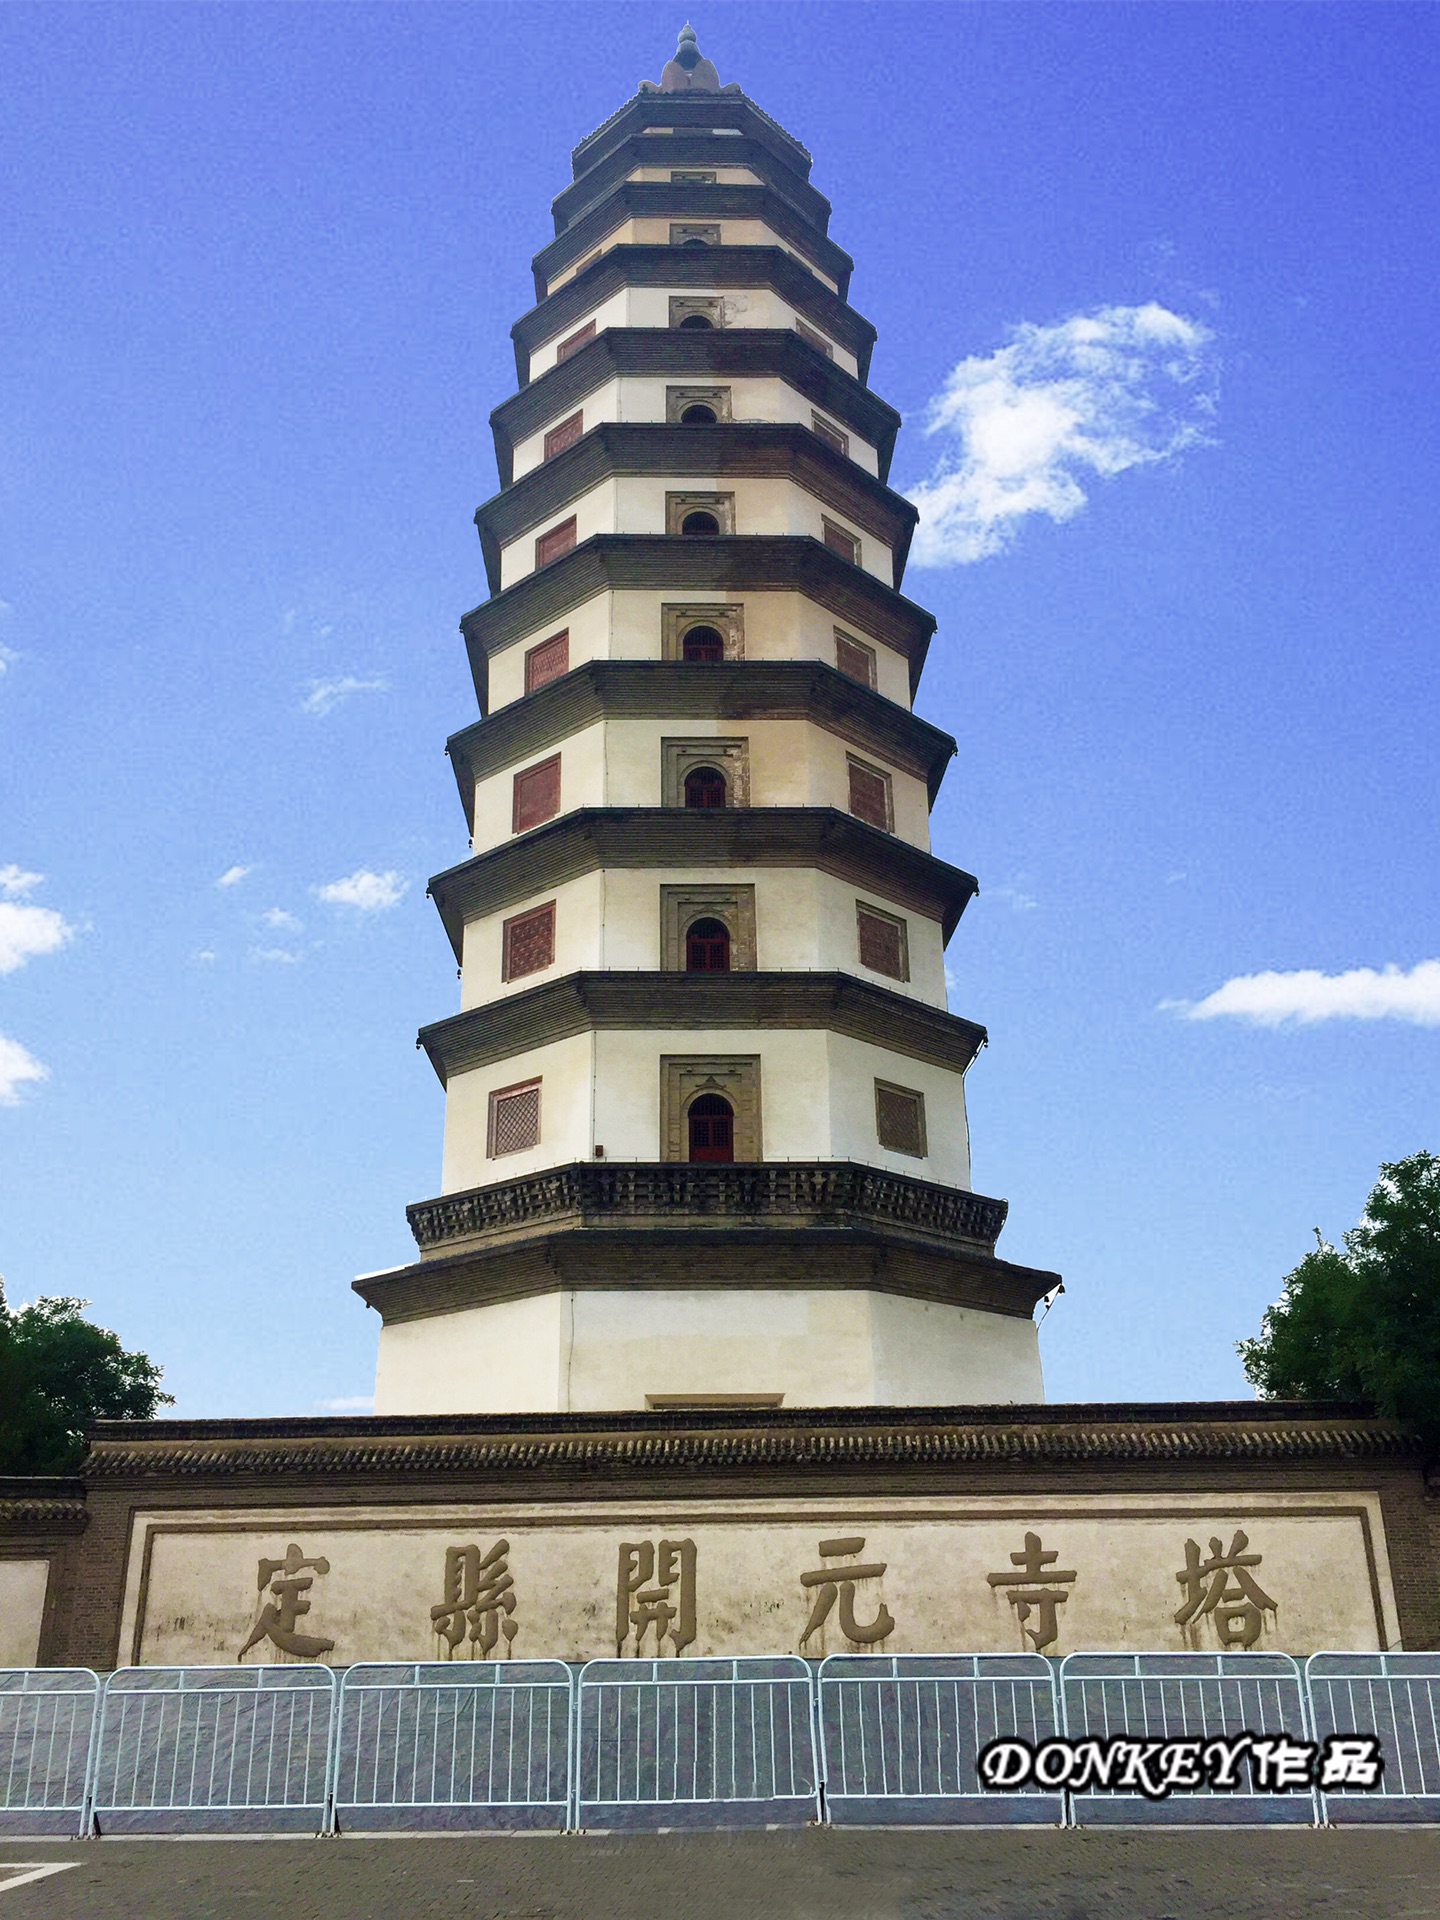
26,932
348,1403
325,695
367,891
278,917
204,956
8,657
15,880
1307,996
275,956
232,876
17,1069
1084,398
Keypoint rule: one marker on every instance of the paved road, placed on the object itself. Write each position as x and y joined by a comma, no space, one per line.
813,1875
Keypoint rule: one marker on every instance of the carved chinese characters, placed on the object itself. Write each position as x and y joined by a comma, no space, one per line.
479,1602
1223,1588
839,1580
288,1580
655,1593
1036,1590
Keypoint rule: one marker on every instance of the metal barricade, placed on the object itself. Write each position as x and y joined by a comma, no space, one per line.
899,1736
695,1743
214,1750
47,1727
1396,1697
1204,1696
453,1745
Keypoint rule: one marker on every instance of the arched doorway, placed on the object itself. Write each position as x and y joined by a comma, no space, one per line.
699,522
698,415
705,787
707,947
704,643
712,1128
696,323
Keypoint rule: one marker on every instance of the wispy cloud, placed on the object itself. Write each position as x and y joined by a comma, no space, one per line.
1022,428
275,956
348,1403
1307,996
15,882
232,876
368,892
279,917
8,657
17,1069
325,695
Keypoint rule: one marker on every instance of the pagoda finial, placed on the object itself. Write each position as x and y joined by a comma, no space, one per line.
689,71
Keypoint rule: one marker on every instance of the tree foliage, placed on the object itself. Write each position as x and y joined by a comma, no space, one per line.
59,1372
1362,1321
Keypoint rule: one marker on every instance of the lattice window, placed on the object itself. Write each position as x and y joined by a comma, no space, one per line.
529,942
855,659
900,1119
557,541
547,661
815,339
870,795
565,435
883,943
831,435
840,541
581,337
536,795
514,1119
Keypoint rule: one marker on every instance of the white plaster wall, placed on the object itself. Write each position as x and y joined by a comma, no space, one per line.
607,1349
653,230
650,307
579,943
565,1070
589,628
642,399
595,512
582,784
609,312
22,1610
853,1067
505,1358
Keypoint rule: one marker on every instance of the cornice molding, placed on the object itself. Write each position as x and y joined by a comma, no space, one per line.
42,1503
674,200
716,354
658,562
652,265
591,1002
692,147
593,838
700,111
732,449
723,690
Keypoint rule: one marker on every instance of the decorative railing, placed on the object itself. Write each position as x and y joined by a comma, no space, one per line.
825,1192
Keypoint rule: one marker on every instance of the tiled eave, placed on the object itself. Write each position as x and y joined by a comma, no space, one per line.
652,108
694,147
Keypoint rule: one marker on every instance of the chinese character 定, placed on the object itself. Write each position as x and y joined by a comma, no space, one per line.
667,1606
835,1582
288,1581
1033,1590
479,1594
1232,1596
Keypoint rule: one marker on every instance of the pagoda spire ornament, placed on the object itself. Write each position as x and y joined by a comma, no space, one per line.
689,71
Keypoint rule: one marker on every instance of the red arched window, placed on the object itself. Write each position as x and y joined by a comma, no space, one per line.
704,787
712,1128
707,947
704,643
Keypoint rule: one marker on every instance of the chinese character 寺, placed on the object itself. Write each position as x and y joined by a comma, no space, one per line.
1238,1603
478,1594
288,1582
834,1581
1033,1590
641,1605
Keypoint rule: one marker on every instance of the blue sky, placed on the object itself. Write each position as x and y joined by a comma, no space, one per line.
261,267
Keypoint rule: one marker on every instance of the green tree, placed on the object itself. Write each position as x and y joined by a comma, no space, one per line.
58,1372
1362,1322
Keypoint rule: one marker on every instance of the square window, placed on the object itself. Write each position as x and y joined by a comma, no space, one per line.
565,435
559,540
528,942
855,659
840,541
581,337
814,339
514,1119
883,942
536,795
900,1119
870,795
831,435
547,661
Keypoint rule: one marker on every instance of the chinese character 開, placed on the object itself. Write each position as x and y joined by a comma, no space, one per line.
1232,1596
643,1605
1032,1589
839,1581
478,1594
288,1582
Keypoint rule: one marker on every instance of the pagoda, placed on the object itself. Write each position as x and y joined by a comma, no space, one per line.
705,1139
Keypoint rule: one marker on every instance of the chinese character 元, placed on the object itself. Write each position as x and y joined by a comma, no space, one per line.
1233,1597
835,1582
478,1594
667,1605
288,1582
1033,1590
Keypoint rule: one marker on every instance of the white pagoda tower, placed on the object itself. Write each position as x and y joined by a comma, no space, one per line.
705,1107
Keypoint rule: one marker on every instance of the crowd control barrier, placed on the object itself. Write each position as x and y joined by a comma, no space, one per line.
900,1734
214,1750
453,1745
695,1743
47,1728
1186,1696
1395,1696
